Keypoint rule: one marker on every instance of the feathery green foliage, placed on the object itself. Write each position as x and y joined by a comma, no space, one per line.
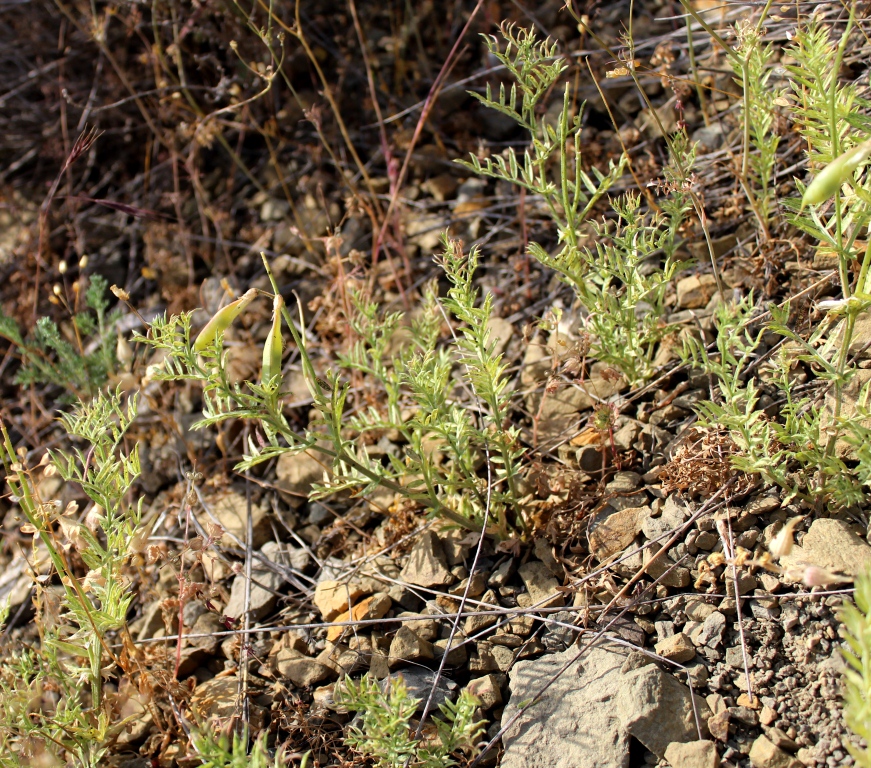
857,701
384,730
415,378
74,620
47,357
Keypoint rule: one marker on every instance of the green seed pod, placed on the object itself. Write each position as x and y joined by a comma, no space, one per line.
222,319
274,344
829,180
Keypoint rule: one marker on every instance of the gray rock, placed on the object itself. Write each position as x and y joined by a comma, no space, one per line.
264,585
406,646
475,624
586,717
698,610
664,629
427,566
764,754
666,572
490,657
231,511
611,533
540,584
297,472
677,648
849,408
695,291
623,482
735,657
301,670
833,545
486,689
418,684
710,137
500,576
557,637
657,710
711,631
457,655
673,515
575,723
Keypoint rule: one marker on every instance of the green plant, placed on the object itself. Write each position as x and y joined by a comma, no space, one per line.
222,752
82,366
75,619
752,64
415,380
796,446
856,617
790,450
384,731
620,282
571,195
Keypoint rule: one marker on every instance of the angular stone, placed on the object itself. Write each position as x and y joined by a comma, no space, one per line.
672,516
575,722
746,583
486,690
491,658
560,409
418,684
475,624
333,597
473,586
718,725
693,754
764,754
657,709
850,400
407,646
427,565
231,511
427,628
374,607
698,610
677,648
216,698
695,291
588,713
667,573
832,545
297,472
611,533
540,584
781,740
302,671
711,631
341,659
457,656
264,585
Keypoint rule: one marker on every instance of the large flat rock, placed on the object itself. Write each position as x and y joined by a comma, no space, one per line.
587,716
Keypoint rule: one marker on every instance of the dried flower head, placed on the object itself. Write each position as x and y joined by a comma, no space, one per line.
782,543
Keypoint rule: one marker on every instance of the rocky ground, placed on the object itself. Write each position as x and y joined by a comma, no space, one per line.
635,615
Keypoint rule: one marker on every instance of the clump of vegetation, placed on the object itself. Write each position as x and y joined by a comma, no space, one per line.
856,616
418,379
79,619
384,732
80,365
431,377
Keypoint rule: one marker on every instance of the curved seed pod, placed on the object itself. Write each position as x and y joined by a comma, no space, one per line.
274,344
222,319
829,180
